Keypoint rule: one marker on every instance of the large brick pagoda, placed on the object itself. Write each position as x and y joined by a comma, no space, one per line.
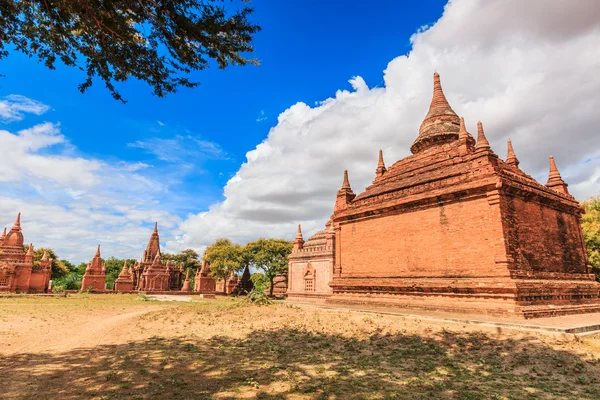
18,271
151,274
454,227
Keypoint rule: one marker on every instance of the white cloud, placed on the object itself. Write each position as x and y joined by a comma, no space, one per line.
73,203
14,107
528,70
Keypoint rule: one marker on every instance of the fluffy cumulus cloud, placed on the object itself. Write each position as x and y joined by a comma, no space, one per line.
72,203
527,69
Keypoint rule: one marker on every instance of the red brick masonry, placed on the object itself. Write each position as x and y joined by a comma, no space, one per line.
453,227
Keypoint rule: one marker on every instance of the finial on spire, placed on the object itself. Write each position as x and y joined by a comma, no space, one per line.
3,234
511,158
299,240
30,250
299,232
98,252
555,181
553,170
346,184
45,256
17,221
156,227
482,142
462,133
381,169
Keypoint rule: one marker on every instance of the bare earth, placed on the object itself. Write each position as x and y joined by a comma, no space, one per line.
122,346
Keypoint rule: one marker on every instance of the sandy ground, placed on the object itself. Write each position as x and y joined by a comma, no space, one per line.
120,346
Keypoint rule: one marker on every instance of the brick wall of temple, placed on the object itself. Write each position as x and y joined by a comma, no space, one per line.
323,268
451,240
37,283
23,278
543,239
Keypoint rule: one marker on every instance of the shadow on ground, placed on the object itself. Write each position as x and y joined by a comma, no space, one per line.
289,363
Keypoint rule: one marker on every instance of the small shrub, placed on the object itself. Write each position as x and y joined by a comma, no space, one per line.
258,296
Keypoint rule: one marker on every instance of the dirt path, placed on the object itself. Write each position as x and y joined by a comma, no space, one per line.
58,333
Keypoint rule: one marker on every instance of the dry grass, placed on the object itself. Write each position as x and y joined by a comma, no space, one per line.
119,346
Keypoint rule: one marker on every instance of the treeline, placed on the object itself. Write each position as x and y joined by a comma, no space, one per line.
267,256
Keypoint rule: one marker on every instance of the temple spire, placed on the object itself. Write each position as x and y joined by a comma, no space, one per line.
441,124
511,158
381,169
555,181
45,256
17,224
3,234
345,195
482,142
299,233
346,184
299,241
97,255
30,250
124,271
153,247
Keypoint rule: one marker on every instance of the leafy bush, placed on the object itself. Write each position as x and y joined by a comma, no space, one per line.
71,281
257,295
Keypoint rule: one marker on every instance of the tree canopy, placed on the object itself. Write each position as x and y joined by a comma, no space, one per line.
59,267
270,256
224,257
591,233
188,258
155,41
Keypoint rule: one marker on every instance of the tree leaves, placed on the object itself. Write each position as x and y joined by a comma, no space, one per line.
591,233
155,41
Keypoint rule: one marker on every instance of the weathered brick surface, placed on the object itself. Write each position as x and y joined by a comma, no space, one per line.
454,227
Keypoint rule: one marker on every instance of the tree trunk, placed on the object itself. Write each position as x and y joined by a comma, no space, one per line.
271,279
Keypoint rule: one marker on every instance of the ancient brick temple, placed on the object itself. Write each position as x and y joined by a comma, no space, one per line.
18,271
227,286
311,265
452,227
124,282
203,282
95,274
152,274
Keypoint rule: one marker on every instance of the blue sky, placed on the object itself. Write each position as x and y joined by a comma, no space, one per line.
253,151
307,50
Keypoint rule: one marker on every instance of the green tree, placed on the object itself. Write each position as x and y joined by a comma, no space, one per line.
270,256
591,233
59,268
155,41
224,257
188,258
